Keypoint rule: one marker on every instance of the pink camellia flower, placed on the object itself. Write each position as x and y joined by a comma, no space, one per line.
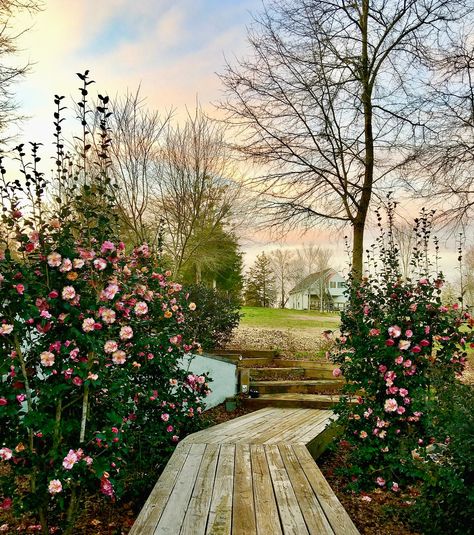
192,306
6,328
4,506
5,454
368,412
403,392
126,333
363,434
201,379
78,263
390,405
337,372
100,264
423,281
55,486
86,255
175,438
20,288
108,316
424,343
70,460
374,332
107,247
66,266
404,344
47,358
54,259
427,329
399,359
395,487
141,308
407,363
394,331
110,346
77,381
401,410
92,376
53,294
382,368
165,417
413,307
119,357
416,349
3,402
68,293
380,481
110,291
392,390
389,342
21,398
408,333
88,325
170,429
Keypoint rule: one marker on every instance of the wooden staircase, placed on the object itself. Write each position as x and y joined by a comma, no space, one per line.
286,383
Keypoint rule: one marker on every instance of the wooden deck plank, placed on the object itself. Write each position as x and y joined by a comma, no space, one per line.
220,511
173,515
335,512
313,513
314,427
288,426
152,510
292,520
243,510
195,520
270,427
230,427
266,510
309,422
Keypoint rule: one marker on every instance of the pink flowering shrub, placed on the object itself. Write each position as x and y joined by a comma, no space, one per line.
90,340
399,346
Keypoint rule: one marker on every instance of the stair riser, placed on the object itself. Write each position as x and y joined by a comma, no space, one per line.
297,389
307,404
307,364
315,373
282,373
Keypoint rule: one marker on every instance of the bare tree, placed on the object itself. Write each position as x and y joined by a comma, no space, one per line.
325,101
404,238
445,161
281,263
134,156
310,259
468,279
10,72
197,188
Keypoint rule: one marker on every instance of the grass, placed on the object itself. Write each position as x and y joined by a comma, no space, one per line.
277,318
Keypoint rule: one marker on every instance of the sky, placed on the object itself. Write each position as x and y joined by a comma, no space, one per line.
171,48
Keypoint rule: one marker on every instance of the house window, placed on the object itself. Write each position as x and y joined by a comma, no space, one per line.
341,284
332,284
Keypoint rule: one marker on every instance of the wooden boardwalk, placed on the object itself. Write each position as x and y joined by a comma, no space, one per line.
250,476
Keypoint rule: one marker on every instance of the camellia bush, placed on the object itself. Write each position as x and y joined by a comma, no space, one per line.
90,339
400,347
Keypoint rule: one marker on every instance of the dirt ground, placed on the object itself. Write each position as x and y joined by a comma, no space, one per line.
289,343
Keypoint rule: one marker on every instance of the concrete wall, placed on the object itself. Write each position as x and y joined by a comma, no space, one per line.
223,373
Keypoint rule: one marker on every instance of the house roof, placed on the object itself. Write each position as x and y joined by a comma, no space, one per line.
311,279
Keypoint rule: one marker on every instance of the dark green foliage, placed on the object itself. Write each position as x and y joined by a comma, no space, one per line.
216,316
446,503
260,288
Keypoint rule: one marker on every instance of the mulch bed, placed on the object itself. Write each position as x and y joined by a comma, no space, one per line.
374,513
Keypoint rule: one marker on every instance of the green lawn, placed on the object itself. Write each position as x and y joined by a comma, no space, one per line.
277,318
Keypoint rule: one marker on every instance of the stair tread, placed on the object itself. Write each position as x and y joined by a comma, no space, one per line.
297,396
297,382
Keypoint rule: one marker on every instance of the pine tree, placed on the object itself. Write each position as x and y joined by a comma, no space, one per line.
260,284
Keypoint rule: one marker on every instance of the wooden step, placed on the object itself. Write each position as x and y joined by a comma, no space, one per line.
246,353
295,363
297,387
276,373
310,401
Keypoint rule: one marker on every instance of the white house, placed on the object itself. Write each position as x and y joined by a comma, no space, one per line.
323,290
